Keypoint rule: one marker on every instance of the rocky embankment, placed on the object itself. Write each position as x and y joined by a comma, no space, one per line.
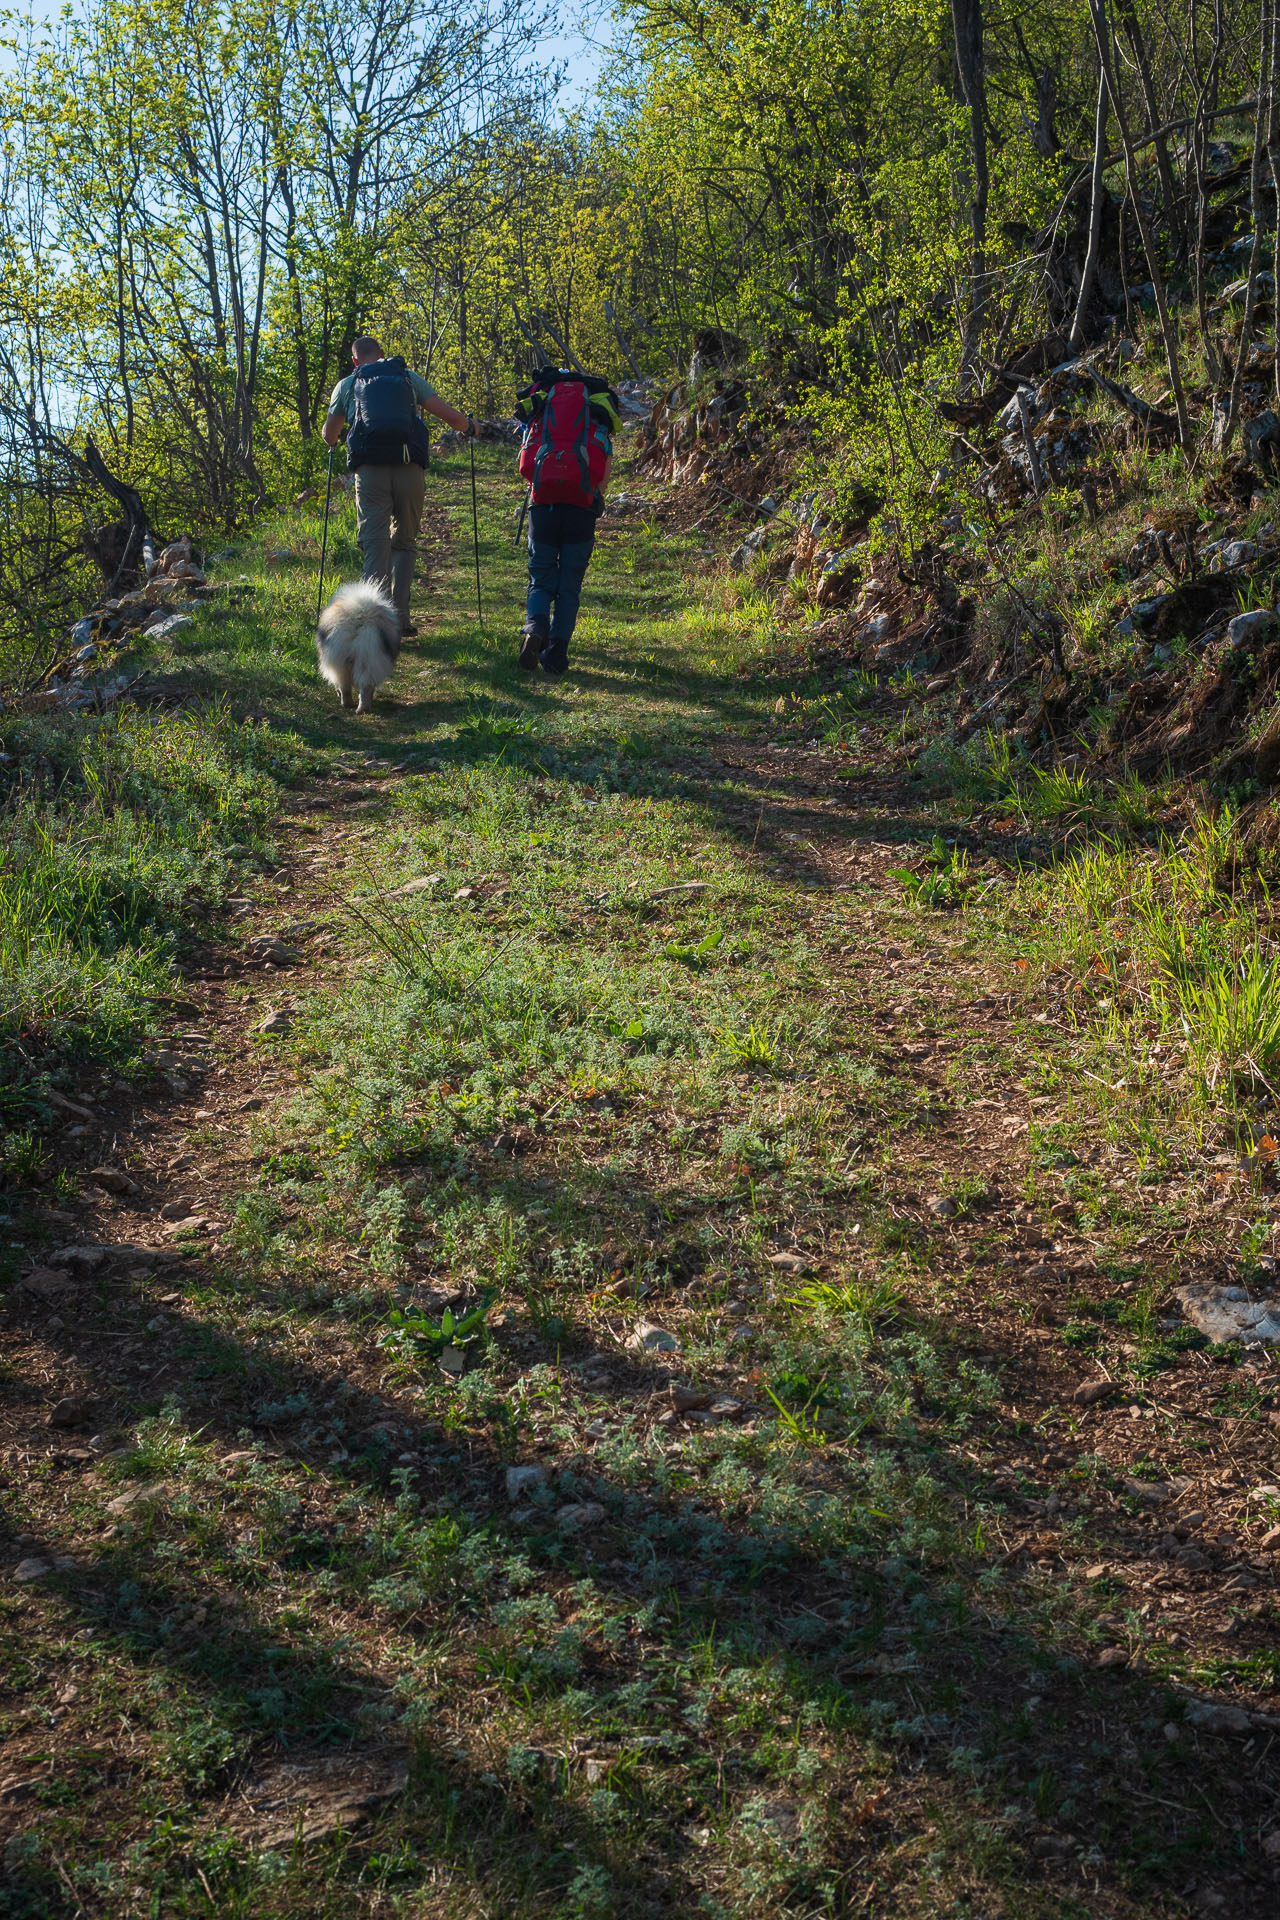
1149,637
160,607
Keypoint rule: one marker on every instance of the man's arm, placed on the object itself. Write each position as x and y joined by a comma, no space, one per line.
336,418
460,422
430,402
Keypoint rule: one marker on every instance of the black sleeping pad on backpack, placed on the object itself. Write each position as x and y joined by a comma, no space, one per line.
532,399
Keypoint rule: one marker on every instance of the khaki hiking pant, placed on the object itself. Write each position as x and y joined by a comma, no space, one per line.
388,515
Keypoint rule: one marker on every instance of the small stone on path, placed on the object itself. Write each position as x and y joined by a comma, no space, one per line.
580,1516
135,1497
82,1259
1231,1313
46,1284
650,1338
112,1180
1216,1716
71,1411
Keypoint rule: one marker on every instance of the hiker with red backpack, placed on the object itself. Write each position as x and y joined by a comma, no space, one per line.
569,421
387,451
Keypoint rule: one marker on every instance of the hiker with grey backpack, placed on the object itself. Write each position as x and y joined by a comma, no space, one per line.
565,458
387,451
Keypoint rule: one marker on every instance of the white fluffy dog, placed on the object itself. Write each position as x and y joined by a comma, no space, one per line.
358,642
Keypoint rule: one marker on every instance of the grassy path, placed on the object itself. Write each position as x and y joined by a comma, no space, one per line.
576,1411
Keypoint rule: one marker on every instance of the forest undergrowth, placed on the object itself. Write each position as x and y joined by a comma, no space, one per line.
590,1322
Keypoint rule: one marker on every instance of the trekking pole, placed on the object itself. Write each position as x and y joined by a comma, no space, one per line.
324,542
524,508
475,529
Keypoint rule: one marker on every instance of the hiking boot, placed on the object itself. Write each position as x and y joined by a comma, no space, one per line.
407,630
555,661
535,639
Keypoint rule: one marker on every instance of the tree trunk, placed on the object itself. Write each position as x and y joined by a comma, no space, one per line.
1097,202
1106,54
966,18
1273,160
1157,136
1260,122
1205,107
138,521
1045,133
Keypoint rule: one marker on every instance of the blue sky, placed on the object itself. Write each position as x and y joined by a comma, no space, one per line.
582,45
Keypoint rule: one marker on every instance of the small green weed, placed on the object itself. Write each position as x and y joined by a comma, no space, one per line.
23,1158
754,1048
946,882
803,1426
870,1301
695,957
413,1335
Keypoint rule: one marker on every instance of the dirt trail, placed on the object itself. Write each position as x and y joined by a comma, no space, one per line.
1158,1476
184,1148
953,1024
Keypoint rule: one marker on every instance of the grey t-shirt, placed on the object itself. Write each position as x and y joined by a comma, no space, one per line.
341,398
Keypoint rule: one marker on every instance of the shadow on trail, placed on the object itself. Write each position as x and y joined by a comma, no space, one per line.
798,819
859,1632
235,1684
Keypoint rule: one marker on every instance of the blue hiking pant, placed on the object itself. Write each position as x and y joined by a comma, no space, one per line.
556,571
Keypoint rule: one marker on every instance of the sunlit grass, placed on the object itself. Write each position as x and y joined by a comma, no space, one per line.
139,821
1165,951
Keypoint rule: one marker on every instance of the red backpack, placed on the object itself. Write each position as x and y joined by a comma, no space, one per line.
566,446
